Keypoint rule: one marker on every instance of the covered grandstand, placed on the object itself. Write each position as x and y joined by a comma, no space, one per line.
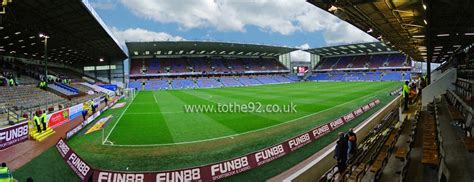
372,61
150,136
78,48
190,64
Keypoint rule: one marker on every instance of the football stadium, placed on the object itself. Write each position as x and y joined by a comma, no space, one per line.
79,104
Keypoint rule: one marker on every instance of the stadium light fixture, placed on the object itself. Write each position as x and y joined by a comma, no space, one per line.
468,33
101,60
418,36
332,8
426,23
443,35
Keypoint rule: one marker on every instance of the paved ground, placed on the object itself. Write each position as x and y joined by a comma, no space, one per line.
20,154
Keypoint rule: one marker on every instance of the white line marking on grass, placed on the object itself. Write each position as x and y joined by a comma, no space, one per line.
153,93
120,117
252,131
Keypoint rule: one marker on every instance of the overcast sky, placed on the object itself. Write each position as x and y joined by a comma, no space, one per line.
293,23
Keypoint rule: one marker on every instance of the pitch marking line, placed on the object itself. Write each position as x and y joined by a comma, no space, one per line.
120,117
238,134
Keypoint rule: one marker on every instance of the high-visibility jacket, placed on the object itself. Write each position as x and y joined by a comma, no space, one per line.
5,175
43,117
36,119
406,91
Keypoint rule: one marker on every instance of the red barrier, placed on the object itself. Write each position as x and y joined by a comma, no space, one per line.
226,168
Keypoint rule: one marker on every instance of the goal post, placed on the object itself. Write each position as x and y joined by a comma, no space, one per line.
129,94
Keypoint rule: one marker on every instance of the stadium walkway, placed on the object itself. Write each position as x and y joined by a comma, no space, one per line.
20,154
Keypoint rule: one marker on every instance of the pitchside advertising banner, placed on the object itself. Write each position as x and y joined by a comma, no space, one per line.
215,171
58,118
75,111
13,135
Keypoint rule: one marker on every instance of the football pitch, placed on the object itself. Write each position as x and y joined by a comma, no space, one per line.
154,132
155,118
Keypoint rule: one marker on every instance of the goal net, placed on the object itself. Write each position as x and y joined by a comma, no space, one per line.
129,94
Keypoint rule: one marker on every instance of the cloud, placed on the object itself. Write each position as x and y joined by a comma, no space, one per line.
139,34
104,5
343,33
299,55
274,16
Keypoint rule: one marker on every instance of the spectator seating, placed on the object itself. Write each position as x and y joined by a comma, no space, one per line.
281,79
182,84
208,83
249,81
266,79
230,82
140,67
62,89
27,96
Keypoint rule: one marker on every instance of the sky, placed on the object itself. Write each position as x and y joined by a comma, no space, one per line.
291,23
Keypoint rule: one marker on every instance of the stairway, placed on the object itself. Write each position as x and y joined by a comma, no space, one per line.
39,136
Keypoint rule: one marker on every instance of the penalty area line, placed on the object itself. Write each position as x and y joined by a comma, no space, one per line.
118,120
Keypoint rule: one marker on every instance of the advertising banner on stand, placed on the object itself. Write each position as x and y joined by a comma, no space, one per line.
58,118
13,135
79,166
237,165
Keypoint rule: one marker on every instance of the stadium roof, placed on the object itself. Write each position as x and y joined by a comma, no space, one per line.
196,48
77,34
435,28
362,48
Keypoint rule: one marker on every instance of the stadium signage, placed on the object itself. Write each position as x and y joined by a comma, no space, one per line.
336,123
58,118
13,135
320,131
214,171
299,141
79,166
75,111
349,117
74,131
366,108
358,112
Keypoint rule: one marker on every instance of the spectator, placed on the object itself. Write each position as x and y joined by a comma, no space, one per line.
5,174
340,153
352,143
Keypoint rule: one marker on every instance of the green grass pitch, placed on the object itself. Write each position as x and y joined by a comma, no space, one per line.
154,133
159,117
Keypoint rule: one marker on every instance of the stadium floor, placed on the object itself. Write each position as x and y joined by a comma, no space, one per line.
317,103
184,116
